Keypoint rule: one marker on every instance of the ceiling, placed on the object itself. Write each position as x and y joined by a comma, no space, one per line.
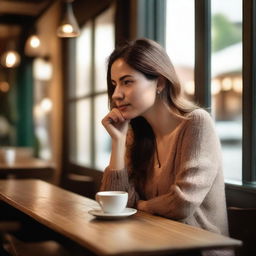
16,15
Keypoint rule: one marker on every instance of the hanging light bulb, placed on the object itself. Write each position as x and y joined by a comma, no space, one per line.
42,69
32,44
34,41
68,26
10,59
46,105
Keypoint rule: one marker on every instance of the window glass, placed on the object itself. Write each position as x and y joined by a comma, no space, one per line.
42,109
80,132
227,82
104,45
102,138
88,105
180,37
83,61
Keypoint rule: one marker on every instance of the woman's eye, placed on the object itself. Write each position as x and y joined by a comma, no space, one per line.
127,82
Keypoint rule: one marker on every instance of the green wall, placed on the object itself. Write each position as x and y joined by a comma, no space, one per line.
24,101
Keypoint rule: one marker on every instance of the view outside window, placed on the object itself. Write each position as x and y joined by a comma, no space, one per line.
88,101
80,106
180,40
83,61
80,131
104,45
42,109
227,82
226,63
102,138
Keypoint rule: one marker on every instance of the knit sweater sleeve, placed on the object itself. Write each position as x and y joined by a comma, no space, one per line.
118,180
199,158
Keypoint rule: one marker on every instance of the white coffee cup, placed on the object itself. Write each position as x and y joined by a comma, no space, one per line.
112,201
9,155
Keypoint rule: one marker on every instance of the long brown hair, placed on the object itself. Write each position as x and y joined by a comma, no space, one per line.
149,58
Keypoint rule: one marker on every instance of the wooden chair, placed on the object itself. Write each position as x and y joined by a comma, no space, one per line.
81,184
15,247
12,245
242,226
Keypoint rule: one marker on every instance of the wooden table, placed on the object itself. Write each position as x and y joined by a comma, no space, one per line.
140,234
28,168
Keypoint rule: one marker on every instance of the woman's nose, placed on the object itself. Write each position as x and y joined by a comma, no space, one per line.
118,93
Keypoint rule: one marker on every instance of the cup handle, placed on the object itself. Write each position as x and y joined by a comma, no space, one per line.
98,199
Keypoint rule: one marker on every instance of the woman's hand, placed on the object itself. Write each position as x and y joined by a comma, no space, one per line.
142,206
116,125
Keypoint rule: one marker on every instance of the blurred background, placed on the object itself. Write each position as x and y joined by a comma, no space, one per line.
53,78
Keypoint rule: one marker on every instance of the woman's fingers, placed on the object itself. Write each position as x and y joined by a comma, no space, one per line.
115,124
114,116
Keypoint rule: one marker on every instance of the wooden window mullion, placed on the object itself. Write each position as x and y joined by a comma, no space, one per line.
249,91
203,53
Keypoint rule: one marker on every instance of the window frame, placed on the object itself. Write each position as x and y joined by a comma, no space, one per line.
249,90
69,75
203,77
149,21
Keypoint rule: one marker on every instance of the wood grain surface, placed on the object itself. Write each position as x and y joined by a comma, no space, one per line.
140,234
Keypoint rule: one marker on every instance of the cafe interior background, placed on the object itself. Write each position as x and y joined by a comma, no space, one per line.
53,86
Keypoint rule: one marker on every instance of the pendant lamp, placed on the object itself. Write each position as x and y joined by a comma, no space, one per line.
68,26
10,58
32,44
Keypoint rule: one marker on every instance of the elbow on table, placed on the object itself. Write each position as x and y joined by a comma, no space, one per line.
182,208
183,211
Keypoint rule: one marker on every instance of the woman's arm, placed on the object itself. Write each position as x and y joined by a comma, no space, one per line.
118,180
116,175
117,127
199,163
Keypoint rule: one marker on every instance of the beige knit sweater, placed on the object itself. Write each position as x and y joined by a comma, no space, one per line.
190,188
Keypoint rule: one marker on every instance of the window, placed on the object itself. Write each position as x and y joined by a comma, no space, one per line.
104,32
88,103
224,37
226,73
180,38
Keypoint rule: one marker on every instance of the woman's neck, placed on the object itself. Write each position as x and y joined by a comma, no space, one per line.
162,120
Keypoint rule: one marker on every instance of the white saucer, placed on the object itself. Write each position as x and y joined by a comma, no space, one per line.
102,215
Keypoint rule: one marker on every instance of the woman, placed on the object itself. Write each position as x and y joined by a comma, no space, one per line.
165,151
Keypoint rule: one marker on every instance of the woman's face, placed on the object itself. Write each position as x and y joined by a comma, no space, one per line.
134,94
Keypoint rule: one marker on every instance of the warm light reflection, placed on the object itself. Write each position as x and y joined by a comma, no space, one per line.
46,105
34,41
237,85
4,87
11,59
38,113
67,28
227,84
216,86
42,69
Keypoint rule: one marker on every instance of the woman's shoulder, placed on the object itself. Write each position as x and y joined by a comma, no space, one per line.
200,118
199,115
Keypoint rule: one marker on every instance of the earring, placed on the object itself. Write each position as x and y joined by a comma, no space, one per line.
158,92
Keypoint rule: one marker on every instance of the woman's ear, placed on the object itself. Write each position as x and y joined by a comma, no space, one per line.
161,83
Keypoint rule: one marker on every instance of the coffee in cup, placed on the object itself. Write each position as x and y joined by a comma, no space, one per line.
112,201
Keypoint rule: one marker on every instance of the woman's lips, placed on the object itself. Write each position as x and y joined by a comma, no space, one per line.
123,107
